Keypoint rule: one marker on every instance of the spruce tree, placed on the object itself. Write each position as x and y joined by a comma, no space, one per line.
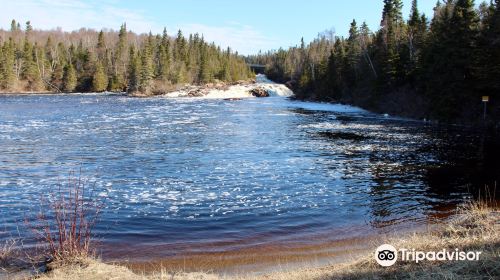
353,53
120,60
13,26
146,73
492,52
7,65
30,71
61,64
164,57
205,74
101,46
100,79
133,71
69,78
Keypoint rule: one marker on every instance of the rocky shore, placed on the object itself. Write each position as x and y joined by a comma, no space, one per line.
258,87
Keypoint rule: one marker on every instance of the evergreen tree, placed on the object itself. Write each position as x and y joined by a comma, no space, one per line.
99,80
29,28
353,54
180,47
7,65
101,47
133,71
437,71
146,73
491,52
13,26
120,61
205,74
164,57
30,71
417,28
91,64
457,77
69,78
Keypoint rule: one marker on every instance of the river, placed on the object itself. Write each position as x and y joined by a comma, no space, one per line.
187,176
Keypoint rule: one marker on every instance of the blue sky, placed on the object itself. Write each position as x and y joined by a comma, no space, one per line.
246,26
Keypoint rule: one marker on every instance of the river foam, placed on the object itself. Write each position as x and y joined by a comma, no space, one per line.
241,91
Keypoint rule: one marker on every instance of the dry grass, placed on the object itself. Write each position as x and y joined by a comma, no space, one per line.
475,228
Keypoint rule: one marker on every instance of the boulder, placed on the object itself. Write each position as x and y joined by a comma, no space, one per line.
259,92
196,93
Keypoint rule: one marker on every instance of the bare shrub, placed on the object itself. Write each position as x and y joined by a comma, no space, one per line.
65,222
6,252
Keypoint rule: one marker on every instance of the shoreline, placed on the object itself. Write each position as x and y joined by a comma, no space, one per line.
242,88
260,256
217,89
473,228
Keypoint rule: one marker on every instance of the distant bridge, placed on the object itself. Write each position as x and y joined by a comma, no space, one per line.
257,68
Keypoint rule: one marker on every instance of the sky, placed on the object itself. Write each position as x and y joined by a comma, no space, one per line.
245,26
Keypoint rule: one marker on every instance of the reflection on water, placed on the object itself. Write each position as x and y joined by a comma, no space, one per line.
180,174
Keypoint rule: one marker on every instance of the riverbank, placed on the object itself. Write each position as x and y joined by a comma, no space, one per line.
476,227
220,89
217,89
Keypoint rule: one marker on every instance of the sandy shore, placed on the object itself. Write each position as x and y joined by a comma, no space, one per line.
475,228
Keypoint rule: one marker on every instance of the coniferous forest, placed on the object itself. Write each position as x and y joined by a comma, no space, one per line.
437,68
90,61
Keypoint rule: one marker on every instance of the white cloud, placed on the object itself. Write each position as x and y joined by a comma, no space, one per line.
75,14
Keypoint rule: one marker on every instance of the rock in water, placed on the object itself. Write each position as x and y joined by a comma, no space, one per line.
259,92
198,92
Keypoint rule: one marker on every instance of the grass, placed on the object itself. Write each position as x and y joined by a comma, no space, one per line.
476,227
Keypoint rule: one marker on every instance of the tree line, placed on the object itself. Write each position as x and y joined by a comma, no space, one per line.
90,61
437,69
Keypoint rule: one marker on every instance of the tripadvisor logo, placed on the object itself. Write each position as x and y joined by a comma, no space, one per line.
387,255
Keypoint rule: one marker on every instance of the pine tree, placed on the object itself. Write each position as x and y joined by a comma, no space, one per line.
2,59
146,73
205,74
133,71
101,46
69,78
180,48
353,54
164,57
29,28
491,51
60,64
225,74
100,79
389,40
7,65
13,26
30,71
120,61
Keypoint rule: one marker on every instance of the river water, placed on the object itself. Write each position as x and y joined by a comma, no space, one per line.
186,175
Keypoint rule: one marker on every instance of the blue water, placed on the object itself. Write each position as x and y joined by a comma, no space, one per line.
182,172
